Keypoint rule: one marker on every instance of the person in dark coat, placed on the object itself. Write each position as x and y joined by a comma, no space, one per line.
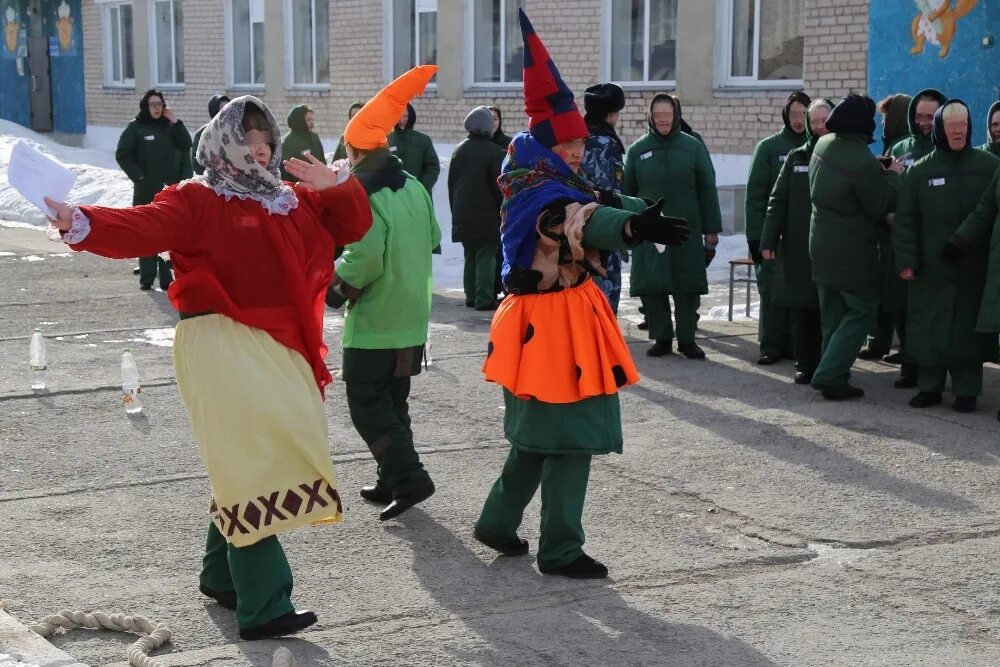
499,137
604,166
300,141
341,152
475,207
939,191
786,239
992,144
415,150
215,105
151,151
851,195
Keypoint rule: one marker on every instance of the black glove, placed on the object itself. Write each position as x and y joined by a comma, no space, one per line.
952,253
608,198
523,281
340,292
755,252
651,225
709,254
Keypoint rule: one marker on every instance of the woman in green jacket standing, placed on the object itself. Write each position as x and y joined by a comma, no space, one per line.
301,141
153,151
671,165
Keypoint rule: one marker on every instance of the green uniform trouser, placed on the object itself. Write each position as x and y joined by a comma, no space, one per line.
563,478
966,379
479,277
378,386
656,307
846,318
887,324
148,268
258,573
807,338
773,326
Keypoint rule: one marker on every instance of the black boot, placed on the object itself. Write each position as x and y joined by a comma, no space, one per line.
768,360
376,494
893,358
288,624
514,546
907,376
840,392
643,326
870,354
803,377
964,404
402,502
226,599
925,399
661,348
691,350
583,567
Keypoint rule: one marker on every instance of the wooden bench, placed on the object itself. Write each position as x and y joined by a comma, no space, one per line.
751,279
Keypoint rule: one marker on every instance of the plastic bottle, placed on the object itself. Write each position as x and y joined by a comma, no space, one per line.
428,360
37,360
130,384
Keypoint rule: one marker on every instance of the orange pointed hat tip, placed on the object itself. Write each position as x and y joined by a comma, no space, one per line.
373,123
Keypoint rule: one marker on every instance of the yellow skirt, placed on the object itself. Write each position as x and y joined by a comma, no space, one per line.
260,426
558,347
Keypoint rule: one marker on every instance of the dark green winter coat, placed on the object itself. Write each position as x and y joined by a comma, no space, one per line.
677,168
300,140
765,165
851,196
786,230
473,192
938,192
214,104
991,146
416,151
152,154
982,229
917,145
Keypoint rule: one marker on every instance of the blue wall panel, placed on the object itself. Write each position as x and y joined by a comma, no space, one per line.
64,26
14,88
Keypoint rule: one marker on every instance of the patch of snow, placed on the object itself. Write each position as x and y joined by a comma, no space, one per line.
32,258
6,254
158,337
11,661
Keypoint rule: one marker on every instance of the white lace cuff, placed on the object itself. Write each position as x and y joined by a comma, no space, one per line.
78,230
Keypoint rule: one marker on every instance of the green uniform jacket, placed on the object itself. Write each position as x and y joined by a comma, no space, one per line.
993,148
980,228
786,231
473,192
938,192
340,153
153,155
677,168
765,165
391,266
416,151
850,199
917,145
300,141
590,426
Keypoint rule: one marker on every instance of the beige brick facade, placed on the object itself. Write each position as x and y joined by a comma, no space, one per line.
835,63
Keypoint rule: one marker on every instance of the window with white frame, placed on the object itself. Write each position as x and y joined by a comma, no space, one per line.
762,42
246,42
642,41
498,50
308,34
119,63
412,34
168,42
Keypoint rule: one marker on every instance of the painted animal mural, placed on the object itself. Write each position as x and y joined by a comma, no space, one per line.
937,23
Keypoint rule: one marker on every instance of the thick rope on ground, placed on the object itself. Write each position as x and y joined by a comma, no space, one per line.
153,636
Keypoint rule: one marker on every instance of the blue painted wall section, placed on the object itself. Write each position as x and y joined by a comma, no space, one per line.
956,53
62,25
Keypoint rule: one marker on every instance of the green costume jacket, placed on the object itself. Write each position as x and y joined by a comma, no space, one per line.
300,140
938,192
765,165
153,156
677,168
982,227
473,192
850,199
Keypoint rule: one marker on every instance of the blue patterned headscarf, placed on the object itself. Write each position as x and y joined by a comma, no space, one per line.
532,178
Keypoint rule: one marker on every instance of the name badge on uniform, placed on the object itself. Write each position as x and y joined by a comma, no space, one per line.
801,169
150,137
645,155
782,158
935,182
392,149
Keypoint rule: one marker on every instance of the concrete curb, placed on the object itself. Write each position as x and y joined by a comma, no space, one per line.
28,648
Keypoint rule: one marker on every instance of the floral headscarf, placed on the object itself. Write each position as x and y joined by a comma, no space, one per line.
230,169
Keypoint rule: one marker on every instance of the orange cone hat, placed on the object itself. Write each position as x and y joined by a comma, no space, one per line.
370,126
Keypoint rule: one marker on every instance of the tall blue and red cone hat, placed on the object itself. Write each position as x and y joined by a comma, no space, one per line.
553,117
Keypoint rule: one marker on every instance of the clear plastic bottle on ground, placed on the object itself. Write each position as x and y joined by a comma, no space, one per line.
130,384
37,360
428,360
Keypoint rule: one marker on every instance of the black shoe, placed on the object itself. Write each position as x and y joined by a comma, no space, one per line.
470,304
661,348
802,377
643,326
288,624
135,271
925,399
768,359
870,354
225,599
583,567
691,350
840,392
490,306
514,546
964,404
145,288
906,382
894,358
402,503
376,494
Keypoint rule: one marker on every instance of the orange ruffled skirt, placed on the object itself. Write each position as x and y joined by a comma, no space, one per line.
558,347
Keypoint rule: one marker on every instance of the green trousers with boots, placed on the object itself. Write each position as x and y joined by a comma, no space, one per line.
845,318
966,379
656,308
148,269
773,327
378,388
259,574
479,277
807,338
563,478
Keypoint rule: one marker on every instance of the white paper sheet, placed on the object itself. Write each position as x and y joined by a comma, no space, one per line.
659,247
37,176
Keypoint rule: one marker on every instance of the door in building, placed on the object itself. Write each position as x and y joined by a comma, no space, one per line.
41,84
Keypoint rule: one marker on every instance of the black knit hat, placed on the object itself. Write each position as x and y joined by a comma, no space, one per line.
603,98
854,115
